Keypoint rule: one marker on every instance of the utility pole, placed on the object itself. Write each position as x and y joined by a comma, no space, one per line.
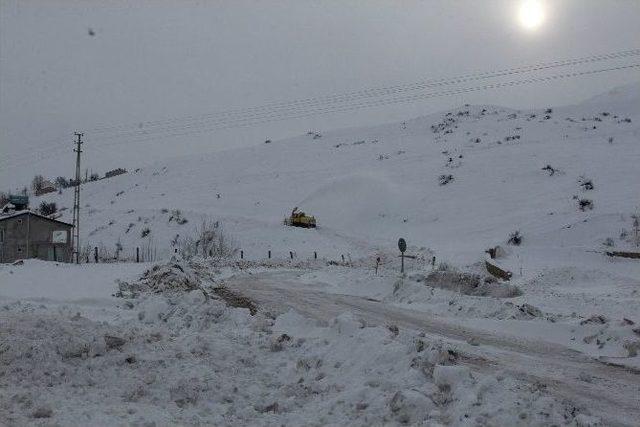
75,238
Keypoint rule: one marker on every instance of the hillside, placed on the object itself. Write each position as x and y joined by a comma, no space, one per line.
369,186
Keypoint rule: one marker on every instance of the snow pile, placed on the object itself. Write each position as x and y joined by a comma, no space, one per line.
467,284
189,359
174,276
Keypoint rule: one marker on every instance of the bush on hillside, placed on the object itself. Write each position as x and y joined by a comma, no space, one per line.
585,204
550,169
445,179
47,209
208,240
37,183
586,183
62,182
515,238
176,215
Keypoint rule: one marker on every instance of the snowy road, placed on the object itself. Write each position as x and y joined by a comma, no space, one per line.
611,392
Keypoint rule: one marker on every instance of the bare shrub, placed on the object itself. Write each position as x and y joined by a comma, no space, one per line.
47,209
636,229
37,183
585,204
105,254
624,234
586,183
445,179
148,252
208,240
445,266
515,238
176,215
550,169
84,252
118,250
62,182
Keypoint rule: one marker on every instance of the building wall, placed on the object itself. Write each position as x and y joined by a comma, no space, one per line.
30,236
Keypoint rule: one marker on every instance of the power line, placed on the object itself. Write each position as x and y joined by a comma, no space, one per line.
318,109
371,104
231,119
351,96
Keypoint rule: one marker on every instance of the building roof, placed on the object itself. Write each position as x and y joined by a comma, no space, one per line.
28,212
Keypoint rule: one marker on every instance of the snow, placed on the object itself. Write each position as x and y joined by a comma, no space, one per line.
183,358
334,341
63,282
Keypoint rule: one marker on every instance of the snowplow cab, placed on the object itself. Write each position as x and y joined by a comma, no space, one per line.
300,219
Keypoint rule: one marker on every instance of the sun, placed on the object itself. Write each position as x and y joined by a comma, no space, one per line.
531,14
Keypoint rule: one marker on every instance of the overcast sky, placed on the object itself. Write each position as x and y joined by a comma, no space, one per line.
156,60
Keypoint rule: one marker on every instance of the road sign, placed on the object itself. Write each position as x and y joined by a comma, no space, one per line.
402,245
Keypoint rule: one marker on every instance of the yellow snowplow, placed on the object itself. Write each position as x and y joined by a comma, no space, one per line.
300,219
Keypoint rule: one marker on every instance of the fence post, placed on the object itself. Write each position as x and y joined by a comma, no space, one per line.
241,254
137,254
95,254
269,254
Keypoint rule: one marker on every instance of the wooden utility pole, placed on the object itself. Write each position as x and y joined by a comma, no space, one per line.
75,238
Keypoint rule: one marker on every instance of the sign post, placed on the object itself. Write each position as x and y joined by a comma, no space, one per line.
402,245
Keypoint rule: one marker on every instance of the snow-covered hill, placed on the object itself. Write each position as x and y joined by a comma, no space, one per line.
369,186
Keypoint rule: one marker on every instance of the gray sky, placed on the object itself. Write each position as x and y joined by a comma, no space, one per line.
156,60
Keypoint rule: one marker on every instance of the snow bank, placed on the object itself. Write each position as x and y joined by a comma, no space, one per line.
187,359
467,284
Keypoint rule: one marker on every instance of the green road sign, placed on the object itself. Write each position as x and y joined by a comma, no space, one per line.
402,245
